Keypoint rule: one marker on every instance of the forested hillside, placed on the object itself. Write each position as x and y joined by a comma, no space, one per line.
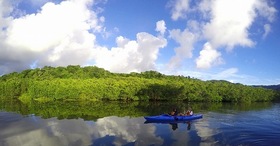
273,87
93,83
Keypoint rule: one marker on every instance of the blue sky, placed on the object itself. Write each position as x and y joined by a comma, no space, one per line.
233,40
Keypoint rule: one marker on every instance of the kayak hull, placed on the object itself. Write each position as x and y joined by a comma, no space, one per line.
169,118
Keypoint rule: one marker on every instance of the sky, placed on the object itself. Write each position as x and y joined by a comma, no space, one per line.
233,40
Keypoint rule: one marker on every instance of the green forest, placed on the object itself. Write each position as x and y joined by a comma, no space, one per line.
73,83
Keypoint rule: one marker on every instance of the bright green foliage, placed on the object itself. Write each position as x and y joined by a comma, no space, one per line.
93,83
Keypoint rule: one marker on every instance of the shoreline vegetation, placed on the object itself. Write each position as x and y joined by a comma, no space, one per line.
96,84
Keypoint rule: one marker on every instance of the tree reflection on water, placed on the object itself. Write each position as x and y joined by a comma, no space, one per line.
118,123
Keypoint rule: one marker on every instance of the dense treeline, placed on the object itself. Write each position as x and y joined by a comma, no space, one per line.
93,83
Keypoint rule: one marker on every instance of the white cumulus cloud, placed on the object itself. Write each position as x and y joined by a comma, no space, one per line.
160,27
208,57
185,39
64,33
58,34
130,55
229,25
61,33
223,24
179,9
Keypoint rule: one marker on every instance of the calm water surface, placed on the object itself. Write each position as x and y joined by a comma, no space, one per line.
82,124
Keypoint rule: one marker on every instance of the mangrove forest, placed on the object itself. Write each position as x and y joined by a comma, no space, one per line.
97,84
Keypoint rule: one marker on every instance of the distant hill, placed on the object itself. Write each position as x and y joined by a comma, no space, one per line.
273,87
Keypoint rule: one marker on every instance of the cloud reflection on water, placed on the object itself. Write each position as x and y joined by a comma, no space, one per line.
34,130
126,130
205,132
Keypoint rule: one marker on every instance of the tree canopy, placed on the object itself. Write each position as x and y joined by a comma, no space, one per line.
93,83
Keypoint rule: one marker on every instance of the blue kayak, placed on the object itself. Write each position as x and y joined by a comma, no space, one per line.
169,118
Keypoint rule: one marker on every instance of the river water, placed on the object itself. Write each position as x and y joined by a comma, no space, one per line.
83,124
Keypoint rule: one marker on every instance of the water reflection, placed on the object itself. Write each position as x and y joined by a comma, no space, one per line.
220,125
32,130
173,125
206,131
124,131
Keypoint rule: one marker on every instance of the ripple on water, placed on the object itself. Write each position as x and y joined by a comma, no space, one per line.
249,129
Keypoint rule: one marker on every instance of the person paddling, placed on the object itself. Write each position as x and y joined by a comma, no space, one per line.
189,112
174,112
